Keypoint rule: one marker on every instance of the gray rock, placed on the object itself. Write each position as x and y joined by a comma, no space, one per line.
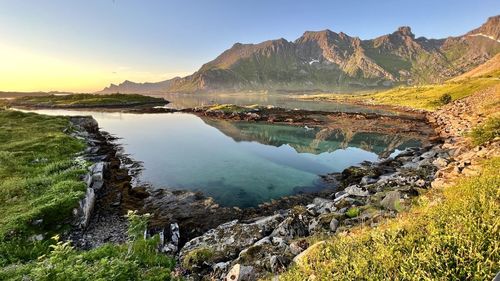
277,264
241,273
391,201
230,238
355,190
334,224
292,227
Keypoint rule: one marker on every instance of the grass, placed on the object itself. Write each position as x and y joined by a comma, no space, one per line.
40,180
451,234
486,132
230,108
40,184
137,260
421,97
86,100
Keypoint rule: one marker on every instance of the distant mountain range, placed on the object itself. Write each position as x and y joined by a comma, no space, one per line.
330,61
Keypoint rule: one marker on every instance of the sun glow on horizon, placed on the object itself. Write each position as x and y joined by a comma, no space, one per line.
22,70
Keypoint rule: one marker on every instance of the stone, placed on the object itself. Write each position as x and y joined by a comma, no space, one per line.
278,263
334,224
355,190
229,239
297,247
299,260
391,201
292,227
240,273
440,163
322,205
367,180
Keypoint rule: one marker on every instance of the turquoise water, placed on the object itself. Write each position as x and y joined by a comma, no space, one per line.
238,163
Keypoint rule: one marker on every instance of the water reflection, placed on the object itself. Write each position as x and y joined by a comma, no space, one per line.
239,164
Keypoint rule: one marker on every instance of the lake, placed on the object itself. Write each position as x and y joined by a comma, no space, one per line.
237,163
181,101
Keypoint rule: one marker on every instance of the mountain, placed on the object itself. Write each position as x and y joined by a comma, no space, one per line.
330,61
485,70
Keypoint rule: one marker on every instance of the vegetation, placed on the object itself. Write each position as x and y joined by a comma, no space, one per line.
455,239
86,100
41,182
138,260
428,97
486,132
229,108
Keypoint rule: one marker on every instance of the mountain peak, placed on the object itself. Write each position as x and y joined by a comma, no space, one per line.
491,28
405,31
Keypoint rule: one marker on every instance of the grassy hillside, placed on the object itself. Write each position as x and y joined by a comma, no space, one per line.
40,181
428,97
86,100
40,184
450,234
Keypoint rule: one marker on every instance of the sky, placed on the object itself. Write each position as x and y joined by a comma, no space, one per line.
84,45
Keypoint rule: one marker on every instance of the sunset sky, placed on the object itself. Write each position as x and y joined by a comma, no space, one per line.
84,45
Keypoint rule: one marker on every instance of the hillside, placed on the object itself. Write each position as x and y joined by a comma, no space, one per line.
330,61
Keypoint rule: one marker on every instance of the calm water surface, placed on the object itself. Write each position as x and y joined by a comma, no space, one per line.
180,101
237,163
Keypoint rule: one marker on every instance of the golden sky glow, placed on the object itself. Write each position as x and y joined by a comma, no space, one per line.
23,70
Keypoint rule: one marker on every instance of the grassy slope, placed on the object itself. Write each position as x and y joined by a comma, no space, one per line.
87,100
39,179
451,234
420,97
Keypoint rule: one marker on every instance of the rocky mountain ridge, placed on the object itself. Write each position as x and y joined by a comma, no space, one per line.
329,61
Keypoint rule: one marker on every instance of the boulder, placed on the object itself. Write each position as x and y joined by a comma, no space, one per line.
292,227
240,273
355,190
300,259
334,224
229,239
391,201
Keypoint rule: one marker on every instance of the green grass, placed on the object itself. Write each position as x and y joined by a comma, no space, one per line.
136,260
86,100
421,97
450,234
39,180
487,131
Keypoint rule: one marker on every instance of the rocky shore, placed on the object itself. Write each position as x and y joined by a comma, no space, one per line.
219,243
368,194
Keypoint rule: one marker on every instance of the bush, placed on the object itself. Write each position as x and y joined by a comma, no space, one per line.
445,99
486,132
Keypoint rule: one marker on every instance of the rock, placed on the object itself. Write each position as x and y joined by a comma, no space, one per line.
297,247
240,273
334,224
440,162
367,180
229,239
300,258
278,263
37,237
391,201
356,191
292,227
322,205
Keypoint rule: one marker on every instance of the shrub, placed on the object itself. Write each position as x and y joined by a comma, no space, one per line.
352,212
486,132
445,99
